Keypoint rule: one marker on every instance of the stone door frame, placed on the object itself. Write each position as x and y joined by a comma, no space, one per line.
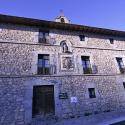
29,95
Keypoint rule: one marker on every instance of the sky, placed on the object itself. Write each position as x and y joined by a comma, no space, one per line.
98,13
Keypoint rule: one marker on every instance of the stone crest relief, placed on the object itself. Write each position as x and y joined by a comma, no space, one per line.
67,63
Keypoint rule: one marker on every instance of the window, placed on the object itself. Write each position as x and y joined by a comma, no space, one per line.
91,92
120,64
43,36
124,85
62,20
43,64
111,41
86,65
82,37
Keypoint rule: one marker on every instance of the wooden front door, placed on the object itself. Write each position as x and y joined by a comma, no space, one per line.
43,100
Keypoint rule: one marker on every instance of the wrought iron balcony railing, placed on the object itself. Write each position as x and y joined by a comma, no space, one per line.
87,70
94,69
122,70
46,40
51,70
43,40
90,70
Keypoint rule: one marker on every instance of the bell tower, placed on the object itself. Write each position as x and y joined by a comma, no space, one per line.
62,18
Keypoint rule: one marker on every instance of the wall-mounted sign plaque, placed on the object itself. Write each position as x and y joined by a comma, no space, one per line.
63,96
74,100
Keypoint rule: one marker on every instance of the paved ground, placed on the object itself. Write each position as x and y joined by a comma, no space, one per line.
119,123
99,119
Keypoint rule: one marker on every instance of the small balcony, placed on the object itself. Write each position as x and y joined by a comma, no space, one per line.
122,70
46,70
42,40
90,70
46,40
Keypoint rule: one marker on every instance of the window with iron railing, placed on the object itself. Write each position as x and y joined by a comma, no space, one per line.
87,67
121,65
43,36
44,66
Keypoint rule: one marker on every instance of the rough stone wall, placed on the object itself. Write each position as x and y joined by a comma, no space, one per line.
91,41
19,59
25,34
19,49
11,101
106,99
13,106
18,34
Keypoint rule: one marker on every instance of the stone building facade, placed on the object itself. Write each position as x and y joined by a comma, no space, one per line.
83,67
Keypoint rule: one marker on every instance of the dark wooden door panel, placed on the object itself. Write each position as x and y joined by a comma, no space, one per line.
49,103
43,100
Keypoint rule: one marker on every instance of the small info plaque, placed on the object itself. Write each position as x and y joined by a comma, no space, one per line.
63,96
74,100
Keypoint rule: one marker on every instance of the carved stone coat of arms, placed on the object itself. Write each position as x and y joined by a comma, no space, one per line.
67,63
